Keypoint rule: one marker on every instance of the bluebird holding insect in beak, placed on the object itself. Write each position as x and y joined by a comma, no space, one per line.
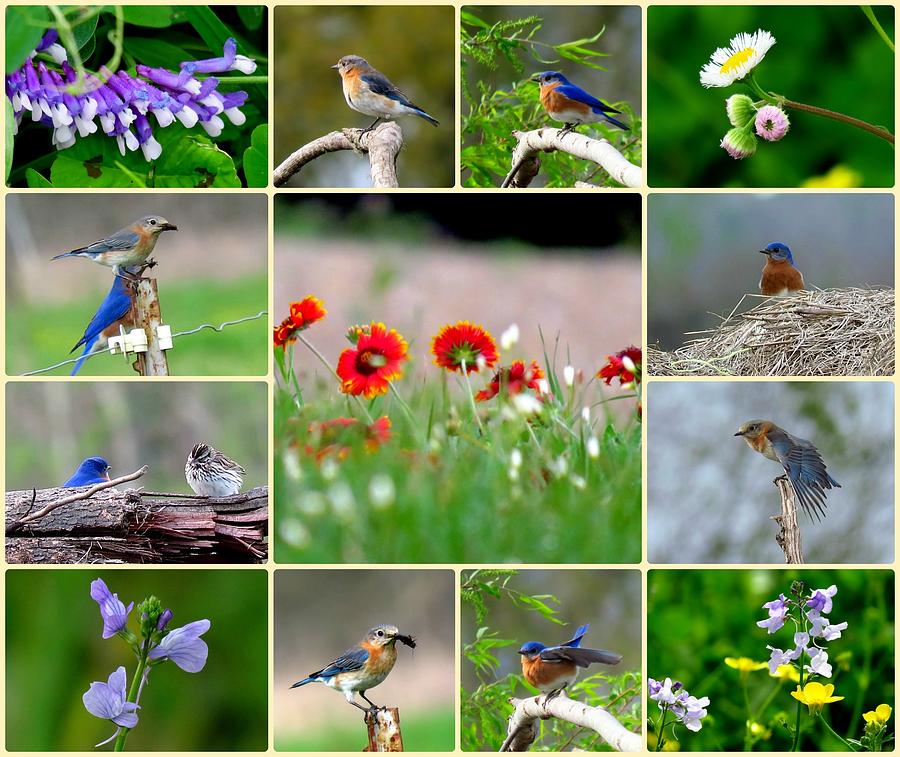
130,246
94,470
570,104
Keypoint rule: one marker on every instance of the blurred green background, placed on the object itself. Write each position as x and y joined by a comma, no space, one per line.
321,613
52,426
54,651
414,46
690,646
702,251
213,269
829,56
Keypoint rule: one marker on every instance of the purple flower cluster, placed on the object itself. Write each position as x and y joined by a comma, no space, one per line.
817,630
673,697
123,103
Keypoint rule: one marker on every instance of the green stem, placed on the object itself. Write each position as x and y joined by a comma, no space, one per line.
840,738
132,697
239,81
748,737
659,732
406,408
471,396
878,131
796,743
67,37
867,9
333,372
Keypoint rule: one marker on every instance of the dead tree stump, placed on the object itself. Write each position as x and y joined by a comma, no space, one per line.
788,537
383,727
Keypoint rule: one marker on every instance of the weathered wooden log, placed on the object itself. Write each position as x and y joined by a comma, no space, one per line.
133,526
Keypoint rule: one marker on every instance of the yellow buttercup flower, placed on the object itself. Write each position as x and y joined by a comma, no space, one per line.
758,730
839,176
745,665
880,715
786,673
815,696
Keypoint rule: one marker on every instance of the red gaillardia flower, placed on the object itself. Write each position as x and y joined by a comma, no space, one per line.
303,315
514,380
334,436
374,363
625,364
464,342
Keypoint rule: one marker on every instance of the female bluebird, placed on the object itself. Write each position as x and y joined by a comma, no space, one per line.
211,474
130,246
114,310
94,470
371,93
551,669
570,104
800,459
779,277
364,666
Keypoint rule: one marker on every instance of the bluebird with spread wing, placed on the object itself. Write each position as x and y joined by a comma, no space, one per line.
364,666
779,276
113,311
371,93
801,461
551,669
93,470
130,246
570,104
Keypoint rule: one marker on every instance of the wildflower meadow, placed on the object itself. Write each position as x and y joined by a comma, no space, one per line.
797,660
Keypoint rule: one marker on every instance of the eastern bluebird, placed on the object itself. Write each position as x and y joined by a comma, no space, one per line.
364,666
551,669
371,93
94,470
779,277
114,310
130,246
212,474
800,459
570,104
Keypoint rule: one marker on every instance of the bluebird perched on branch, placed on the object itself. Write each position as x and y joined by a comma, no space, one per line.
212,474
801,461
570,104
130,246
94,470
113,311
779,277
371,93
364,666
551,669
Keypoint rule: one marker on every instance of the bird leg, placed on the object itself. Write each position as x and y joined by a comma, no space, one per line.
552,695
371,126
566,129
374,706
779,478
359,706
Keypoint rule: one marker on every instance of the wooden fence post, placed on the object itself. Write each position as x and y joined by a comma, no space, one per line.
383,726
789,536
147,316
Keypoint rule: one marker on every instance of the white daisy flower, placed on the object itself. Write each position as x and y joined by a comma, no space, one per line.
730,64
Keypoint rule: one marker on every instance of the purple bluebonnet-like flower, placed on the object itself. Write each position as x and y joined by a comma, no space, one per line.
229,61
184,647
771,123
822,627
688,709
110,701
821,600
818,663
112,610
51,47
664,693
164,619
694,712
778,610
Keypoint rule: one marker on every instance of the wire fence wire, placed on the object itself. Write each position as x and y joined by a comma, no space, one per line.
221,327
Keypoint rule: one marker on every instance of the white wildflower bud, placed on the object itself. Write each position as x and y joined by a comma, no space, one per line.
382,491
593,447
515,458
509,337
569,375
586,414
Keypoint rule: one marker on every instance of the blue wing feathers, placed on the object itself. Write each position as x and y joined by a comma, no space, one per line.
574,92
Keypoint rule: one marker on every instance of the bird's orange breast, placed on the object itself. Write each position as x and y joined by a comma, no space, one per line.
778,276
554,102
540,674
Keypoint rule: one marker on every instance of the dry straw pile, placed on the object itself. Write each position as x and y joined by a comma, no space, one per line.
829,332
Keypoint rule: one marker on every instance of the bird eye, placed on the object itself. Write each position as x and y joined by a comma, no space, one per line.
380,632
153,222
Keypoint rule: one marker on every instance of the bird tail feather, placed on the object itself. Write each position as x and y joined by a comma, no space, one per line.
615,122
584,657
303,682
422,114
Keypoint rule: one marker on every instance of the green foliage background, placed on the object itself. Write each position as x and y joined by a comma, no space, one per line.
597,48
829,56
412,45
54,651
690,646
160,35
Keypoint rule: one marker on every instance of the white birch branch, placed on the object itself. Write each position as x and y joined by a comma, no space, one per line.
789,536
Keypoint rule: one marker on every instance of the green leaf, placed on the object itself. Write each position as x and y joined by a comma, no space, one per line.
154,16
472,20
251,16
155,52
84,32
10,136
36,180
208,26
25,25
256,157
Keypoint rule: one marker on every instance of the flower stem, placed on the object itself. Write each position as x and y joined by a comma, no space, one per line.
748,736
840,738
878,131
132,697
662,726
465,373
867,9
406,408
333,372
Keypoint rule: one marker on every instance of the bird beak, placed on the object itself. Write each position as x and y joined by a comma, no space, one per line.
336,65
739,433
764,252
536,77
168,227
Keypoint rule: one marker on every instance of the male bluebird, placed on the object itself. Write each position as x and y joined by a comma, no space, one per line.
801,461
114,310
570,104
371,93
212,474
94,470
779,277
130,246
364,666
551,669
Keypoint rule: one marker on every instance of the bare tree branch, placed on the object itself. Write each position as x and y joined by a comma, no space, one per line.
526,156
789,536
523,729
382,144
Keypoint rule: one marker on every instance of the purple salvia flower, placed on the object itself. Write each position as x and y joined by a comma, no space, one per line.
109,701
149,146
229,61
230,104
112,610
206,88
164,619
184,647
51,47
167,79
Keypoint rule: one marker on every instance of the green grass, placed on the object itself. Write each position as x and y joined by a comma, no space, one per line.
456,499
432,731
39,335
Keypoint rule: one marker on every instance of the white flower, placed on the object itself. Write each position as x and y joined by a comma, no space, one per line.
243,64
593,447
515,458
509,337
543,386
527,404
382,491
569,375
585,414
730,64
818,664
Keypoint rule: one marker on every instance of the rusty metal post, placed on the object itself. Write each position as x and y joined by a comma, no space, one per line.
383,727
147,316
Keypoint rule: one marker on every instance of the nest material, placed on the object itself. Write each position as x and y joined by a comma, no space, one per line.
823,332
